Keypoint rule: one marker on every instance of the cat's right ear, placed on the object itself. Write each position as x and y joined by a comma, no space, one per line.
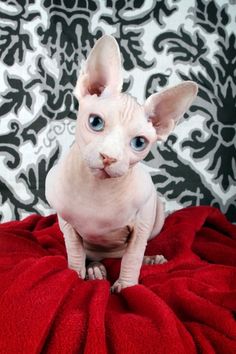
101,73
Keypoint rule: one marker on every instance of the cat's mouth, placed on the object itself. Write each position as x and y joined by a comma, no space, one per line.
104,174
101,173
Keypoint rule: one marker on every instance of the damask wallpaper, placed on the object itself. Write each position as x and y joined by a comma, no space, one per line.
163,42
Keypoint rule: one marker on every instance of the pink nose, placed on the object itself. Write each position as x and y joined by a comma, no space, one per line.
107,160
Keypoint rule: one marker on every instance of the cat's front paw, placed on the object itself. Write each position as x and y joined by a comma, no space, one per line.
80,270
120,285
82,273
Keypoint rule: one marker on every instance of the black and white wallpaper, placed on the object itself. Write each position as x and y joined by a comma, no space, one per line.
163,42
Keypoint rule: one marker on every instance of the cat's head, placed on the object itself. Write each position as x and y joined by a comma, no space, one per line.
114,132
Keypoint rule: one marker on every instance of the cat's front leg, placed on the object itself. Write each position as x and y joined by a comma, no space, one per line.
132,260
74,247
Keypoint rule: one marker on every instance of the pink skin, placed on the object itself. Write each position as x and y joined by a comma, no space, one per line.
106,202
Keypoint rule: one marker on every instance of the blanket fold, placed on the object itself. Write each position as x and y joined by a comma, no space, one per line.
187,305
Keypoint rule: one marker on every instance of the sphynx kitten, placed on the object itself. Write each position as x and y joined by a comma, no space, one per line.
106,202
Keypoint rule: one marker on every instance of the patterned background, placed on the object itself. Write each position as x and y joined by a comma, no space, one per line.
162,43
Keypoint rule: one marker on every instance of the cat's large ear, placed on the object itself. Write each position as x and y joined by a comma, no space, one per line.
102,71
164,109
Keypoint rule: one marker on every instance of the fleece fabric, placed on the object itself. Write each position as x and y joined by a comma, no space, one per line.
187,305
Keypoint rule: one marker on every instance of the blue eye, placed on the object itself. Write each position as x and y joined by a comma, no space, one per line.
96,123
139,143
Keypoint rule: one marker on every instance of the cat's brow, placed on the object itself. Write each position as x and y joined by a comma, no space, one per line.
129,108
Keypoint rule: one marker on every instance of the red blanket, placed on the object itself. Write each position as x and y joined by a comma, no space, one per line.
187,305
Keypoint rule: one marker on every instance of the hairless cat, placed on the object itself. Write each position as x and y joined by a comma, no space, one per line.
106,202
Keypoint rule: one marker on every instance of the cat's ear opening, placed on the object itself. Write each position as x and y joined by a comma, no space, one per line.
164,109
102,71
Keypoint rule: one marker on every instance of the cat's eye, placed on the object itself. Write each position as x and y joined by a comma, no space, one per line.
96,123
139,143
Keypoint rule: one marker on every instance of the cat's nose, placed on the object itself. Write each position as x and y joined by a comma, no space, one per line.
107,160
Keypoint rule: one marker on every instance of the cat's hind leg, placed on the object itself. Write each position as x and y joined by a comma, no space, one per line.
96,271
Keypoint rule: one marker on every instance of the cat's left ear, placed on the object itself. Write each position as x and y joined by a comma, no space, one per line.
164,109
102,71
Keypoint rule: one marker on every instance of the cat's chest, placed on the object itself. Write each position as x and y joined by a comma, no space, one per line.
91,215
